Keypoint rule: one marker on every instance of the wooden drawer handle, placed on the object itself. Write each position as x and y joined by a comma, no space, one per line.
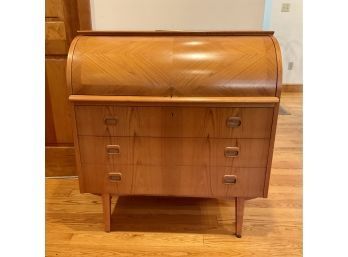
115,176
113,149
233,122
231,151
111,120
229,179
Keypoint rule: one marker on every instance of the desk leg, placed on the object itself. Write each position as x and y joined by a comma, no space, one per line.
106,199
239,203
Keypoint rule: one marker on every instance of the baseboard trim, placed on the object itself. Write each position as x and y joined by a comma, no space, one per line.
60,161
292,88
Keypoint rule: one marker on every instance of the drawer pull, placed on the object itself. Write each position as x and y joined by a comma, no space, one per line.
233,122
111,120
114,177
229,179
113,149
231,151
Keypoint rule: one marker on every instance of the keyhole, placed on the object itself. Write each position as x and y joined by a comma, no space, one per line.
172,114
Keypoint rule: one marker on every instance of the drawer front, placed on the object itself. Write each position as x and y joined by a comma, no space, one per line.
174,121
200,181
201,151
252,153
174,151
106,150
105,179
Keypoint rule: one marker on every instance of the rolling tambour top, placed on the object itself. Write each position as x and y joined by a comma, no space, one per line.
174,64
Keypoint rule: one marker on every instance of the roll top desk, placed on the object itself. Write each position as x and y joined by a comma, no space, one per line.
188,114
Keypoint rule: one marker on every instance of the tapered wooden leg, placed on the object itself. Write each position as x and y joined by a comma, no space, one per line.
239,203
106,199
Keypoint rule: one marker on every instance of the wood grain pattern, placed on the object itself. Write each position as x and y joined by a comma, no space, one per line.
153,100
157,79
275,114
56,85
181,33
294,88
53,9
174,180
173,121
62,23
106,199
201,181
77,146
71,19
60,161
55,42
93,150
279,65
239,202
271,149
174,66
167,226
50,133
84,13
175,151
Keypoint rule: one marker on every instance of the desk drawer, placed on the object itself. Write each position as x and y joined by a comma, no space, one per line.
174,151
200,181
174,121
106,150
173,180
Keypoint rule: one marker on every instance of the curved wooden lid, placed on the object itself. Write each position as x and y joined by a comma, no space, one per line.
174,64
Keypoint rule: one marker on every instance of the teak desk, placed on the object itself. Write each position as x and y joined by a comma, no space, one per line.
175,113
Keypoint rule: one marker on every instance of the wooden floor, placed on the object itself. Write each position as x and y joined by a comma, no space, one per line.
152,226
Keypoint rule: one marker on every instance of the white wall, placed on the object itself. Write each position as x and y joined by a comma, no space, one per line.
288,30
177,14
209,15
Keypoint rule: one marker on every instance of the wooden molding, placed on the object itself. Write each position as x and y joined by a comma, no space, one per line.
167,99
292,88
60,161
174,33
